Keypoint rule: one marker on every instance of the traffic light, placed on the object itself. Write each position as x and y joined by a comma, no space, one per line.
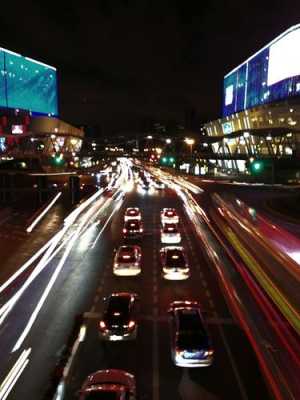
168,160
256,167
58,160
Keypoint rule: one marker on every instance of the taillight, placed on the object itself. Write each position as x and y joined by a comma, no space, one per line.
210,352
131,324
124,230
102,324
141,230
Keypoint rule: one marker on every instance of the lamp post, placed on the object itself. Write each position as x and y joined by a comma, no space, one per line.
190,142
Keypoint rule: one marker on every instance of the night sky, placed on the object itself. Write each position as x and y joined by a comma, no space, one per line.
123,61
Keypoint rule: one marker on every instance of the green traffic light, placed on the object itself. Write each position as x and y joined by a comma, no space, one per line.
164,159
172,159
257,166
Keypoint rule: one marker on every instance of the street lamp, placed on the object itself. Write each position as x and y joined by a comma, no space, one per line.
190,142
168,141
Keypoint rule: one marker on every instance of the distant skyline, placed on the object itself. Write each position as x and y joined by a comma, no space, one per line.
123,61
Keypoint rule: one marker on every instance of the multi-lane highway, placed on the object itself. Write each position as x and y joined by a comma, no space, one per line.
234,374
86,277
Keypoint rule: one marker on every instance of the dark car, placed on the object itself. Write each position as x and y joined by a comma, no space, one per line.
110,384
190,343
119,318
174,263
132,229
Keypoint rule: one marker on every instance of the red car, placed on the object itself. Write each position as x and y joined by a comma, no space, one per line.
109,384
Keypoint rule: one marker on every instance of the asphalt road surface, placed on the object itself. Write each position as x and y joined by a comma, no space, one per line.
81,285
235,373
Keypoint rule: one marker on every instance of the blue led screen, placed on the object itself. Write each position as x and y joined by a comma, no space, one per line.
271,75
27,84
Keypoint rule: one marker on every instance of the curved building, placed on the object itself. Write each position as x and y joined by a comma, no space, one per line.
261,104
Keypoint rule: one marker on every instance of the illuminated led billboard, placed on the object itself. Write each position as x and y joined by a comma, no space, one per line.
27,84
270,75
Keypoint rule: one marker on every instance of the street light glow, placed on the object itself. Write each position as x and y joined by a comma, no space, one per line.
189,141
168,141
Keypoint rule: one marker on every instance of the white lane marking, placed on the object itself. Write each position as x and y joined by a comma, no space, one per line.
232,361
211,303
105,225
80,339
155,378
92,314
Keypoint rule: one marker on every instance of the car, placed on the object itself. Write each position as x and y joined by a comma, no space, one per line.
159,184
119,317
190,342
174,263
132,213
170,234
127,261
114,384
169,215
133,229
145,184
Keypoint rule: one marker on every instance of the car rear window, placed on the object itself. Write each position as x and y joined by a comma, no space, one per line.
126,254
103,395
175,258
168,228
132,212
132,225
118,305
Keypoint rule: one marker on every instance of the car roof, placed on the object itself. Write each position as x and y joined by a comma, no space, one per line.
190,319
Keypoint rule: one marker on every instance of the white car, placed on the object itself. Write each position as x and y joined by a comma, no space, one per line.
174,263
169,216
170,234
132,213
127,261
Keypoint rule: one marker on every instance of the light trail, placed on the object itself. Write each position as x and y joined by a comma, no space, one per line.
43,213
14,374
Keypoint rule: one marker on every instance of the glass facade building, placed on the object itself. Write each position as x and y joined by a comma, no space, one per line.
270,75
27,84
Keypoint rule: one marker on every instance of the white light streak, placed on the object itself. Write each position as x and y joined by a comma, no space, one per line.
14,374
44,212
